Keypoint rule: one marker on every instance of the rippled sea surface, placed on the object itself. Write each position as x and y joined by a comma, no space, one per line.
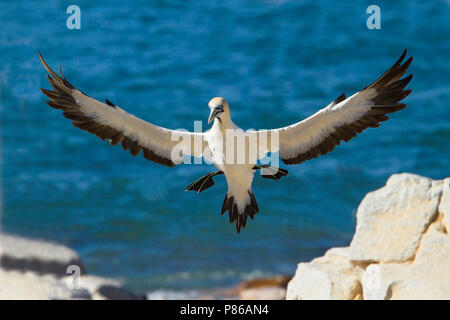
275,61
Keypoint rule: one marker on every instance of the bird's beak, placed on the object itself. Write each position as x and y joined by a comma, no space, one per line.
214,113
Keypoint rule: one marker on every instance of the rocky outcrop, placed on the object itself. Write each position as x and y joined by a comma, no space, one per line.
400,250
41,270
332,276
42,257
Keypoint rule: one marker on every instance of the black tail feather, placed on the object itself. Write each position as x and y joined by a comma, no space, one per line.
227,204
254,205
240,217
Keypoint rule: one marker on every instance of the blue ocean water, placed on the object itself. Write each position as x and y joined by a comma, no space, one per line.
163,61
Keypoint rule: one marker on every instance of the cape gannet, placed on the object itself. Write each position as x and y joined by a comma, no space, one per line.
340,121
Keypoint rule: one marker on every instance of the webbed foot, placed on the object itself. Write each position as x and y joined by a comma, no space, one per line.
203,183
270,172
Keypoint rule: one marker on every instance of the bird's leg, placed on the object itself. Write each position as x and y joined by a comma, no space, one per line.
203,183
270,172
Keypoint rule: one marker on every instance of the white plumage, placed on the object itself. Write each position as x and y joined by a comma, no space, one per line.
340,120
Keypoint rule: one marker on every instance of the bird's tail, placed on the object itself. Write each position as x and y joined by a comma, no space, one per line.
239,212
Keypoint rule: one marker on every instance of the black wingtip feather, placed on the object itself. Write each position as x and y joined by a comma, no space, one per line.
389,89
109,103
62,98
341,98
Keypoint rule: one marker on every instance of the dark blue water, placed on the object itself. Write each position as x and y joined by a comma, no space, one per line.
163,60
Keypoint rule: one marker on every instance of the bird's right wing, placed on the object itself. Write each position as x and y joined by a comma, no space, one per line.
109,122
344,118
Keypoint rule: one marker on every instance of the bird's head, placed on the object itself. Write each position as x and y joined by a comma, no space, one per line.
219,109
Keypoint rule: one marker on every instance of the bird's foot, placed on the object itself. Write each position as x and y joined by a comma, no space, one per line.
203,183
270,172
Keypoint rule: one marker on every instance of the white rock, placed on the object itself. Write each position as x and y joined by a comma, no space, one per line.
24,286
391,220
378,279
426,277
309,283
401,248
43,257
29,286
325,278
36,269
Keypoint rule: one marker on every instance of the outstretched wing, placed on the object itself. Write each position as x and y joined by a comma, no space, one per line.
345,117
109,122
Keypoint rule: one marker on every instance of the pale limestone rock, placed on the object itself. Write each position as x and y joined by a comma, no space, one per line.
377,280
426,277
329,277
43,257
36,269
309,283
444,207
401,248
430,271
30,286
391,220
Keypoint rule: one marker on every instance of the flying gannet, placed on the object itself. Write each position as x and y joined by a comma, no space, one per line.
341,120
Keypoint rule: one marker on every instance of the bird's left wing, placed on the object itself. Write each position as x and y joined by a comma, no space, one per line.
344,118
109,122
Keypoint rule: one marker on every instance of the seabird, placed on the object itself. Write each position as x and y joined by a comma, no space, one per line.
317,135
